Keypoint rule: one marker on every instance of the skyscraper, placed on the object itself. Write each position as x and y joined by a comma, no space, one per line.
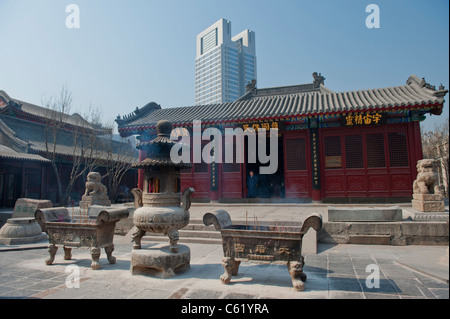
224,64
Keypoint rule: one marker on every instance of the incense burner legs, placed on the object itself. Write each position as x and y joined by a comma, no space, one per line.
298,277
95,255
67,253
109,250
52,249
171,233
173,239
231,267
137,236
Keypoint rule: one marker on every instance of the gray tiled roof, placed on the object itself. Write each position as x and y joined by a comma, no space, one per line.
34,136
6,152
148,162
416,92
42,112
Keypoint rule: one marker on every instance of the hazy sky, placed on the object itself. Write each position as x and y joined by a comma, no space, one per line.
128,53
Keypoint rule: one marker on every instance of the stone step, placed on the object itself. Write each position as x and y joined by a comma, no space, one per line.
194,240
197,232
438,217
200,234
370,239
280,223
199,227
391,233
194,232
190,233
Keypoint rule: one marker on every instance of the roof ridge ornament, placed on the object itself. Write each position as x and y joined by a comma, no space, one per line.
428,85
251,86
147,109
318,79
439,93
414,79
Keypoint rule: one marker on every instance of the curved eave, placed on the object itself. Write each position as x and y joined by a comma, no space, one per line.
157,162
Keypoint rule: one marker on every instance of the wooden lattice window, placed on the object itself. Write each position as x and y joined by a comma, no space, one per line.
296,154
186,170
201,167
375,150
231,167
332,152
398,149
234,166
354,151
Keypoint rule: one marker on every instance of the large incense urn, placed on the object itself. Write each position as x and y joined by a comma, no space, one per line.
162,213
160,207
262,244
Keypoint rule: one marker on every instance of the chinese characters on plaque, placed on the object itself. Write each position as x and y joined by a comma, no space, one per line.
356,119
264,125
214,176
315,159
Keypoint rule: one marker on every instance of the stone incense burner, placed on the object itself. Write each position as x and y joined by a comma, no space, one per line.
160,209
159,206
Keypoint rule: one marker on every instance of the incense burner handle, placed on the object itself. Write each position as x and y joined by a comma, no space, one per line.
40,218
112,215
314,220
48,215
186,198
137,194
219,218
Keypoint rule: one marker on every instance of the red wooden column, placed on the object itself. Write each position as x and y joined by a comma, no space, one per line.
142,156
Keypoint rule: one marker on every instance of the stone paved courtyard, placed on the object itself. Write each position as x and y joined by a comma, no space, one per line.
337,271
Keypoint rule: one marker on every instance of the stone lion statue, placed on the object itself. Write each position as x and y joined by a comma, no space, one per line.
427,181
94,186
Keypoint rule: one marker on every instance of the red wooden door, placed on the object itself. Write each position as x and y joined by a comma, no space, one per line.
231,185
297,165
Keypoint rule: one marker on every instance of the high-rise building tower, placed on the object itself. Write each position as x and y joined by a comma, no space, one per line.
224,64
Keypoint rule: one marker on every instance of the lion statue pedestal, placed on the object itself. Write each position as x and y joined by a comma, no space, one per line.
427,196
95,193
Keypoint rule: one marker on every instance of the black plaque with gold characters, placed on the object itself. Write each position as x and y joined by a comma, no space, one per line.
315,158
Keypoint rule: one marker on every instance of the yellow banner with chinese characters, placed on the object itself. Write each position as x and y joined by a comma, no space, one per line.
267,125
358,119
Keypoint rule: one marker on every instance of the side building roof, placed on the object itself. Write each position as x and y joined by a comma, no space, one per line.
34,138
9,153
29,111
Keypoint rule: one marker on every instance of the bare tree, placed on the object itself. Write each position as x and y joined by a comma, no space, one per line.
57,109
435,145
70,136
118,159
